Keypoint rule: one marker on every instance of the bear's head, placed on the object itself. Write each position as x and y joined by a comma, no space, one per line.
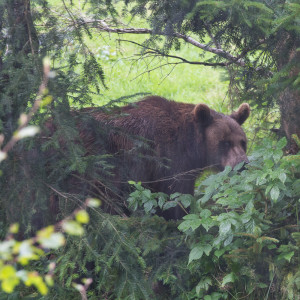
224,139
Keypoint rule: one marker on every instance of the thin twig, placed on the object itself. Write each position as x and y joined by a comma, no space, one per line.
33,110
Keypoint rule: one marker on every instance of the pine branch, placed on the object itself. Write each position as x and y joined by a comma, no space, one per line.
101,25
183,60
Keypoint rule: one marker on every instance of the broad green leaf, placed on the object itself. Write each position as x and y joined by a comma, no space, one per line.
207,248
186,225
220,252
161,200
282,177
149,205
282,143
205,213
287,256
274,193
195,254
185,199
169,204
228,240
224,227
191,217
205,198
228,278
175,195
207,223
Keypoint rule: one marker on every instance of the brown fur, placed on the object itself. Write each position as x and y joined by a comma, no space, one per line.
183,139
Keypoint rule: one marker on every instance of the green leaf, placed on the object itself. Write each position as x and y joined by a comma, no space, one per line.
175,195
195,254
93,202
282,177
162,198
186,225
228,278
224,227
274,193
287,256
206,197
203,285
205,213
54,241
14,228
169,204
72,227
7,272
185,200
207,223
282,143
207,249
191,217
9,278
8,285
219,253
33,278
149,205
82,217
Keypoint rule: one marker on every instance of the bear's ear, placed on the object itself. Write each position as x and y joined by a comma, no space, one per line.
202,114
242,114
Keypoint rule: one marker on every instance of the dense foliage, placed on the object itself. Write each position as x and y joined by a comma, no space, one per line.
240,240
241,237
243,229
257,42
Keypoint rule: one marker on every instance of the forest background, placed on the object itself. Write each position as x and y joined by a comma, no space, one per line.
241,239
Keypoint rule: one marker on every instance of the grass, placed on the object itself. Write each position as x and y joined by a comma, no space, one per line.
126,75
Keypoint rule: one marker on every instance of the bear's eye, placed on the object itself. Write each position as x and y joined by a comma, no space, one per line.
225,145
244,145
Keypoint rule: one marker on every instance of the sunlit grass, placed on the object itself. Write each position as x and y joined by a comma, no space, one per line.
126,74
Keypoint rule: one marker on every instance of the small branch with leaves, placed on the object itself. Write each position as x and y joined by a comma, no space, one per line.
14,253
24,130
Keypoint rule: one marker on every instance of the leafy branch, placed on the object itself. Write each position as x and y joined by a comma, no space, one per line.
23,130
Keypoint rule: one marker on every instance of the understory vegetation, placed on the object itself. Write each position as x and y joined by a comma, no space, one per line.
241,236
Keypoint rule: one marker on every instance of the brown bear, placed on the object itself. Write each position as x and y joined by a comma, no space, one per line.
176,142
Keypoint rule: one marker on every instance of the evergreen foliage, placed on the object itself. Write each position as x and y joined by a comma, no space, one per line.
239,241
257,42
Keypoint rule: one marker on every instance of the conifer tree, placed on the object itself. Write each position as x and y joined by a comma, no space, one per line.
256,42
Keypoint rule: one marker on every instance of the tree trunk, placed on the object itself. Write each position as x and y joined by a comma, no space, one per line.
289,99
22,34
17,64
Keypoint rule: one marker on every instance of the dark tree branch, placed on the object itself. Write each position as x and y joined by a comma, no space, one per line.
103,26
183,60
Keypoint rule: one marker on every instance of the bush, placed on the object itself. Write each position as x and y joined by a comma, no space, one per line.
243,229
